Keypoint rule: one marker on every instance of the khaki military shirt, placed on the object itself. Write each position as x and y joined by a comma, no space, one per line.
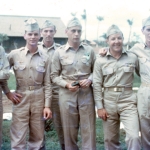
4,70
50,51
31,70
143,54
72,64
112,72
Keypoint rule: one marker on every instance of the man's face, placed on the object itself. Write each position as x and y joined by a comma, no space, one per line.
115,42
74,34
48,34
32,38
146,32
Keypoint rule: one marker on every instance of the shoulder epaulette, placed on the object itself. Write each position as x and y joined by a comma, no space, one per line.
22,48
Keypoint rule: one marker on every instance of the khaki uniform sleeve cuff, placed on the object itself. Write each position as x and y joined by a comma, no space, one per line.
99,105
63,83
47,103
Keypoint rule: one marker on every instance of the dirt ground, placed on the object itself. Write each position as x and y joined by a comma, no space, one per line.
7,105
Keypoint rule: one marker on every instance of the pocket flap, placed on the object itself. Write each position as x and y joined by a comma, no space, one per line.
128,69
40,68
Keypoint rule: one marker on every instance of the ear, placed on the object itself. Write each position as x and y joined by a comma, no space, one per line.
142,30
66,31
24,36
107,40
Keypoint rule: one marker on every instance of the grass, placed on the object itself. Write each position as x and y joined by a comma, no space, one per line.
12,82
52,139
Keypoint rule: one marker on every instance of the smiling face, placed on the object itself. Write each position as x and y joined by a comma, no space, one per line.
115,42
74,34
146,32
48,34
32,37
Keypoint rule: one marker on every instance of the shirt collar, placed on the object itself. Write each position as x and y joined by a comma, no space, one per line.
109,54
26,51
53,46
67,46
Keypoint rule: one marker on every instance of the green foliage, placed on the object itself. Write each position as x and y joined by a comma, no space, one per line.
99,18
137,81
3,37
130,22
12,82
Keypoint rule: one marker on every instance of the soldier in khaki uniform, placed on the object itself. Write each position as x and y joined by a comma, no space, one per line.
142,50
115,73
48,45
74,62
32,71
4,75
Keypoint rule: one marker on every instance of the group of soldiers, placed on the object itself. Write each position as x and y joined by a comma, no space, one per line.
66,84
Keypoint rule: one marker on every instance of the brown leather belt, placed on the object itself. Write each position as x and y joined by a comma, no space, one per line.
30,88
118,89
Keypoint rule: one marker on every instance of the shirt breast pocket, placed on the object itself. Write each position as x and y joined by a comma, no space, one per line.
107,71
85,60
19,70
39,73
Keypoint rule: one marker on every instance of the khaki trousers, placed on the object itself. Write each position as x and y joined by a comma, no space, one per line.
144,115
57,121
27,116
1,117
121,107
78,110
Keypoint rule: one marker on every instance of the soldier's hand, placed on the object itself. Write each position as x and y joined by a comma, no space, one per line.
103,51
14,97
102,113
72,88
47,113
85,83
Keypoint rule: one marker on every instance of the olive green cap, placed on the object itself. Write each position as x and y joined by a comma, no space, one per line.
146,22
74,22
113,29
31,25
47,24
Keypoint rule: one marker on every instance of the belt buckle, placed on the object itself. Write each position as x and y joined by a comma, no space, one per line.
31,88
116,89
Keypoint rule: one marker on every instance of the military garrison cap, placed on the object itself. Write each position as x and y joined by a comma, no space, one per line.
47,24
31,25
146,22
74,22
113,29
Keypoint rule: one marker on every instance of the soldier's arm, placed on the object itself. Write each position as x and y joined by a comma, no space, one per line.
4,65
56,70
97,84
47,84
47,91
97,89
